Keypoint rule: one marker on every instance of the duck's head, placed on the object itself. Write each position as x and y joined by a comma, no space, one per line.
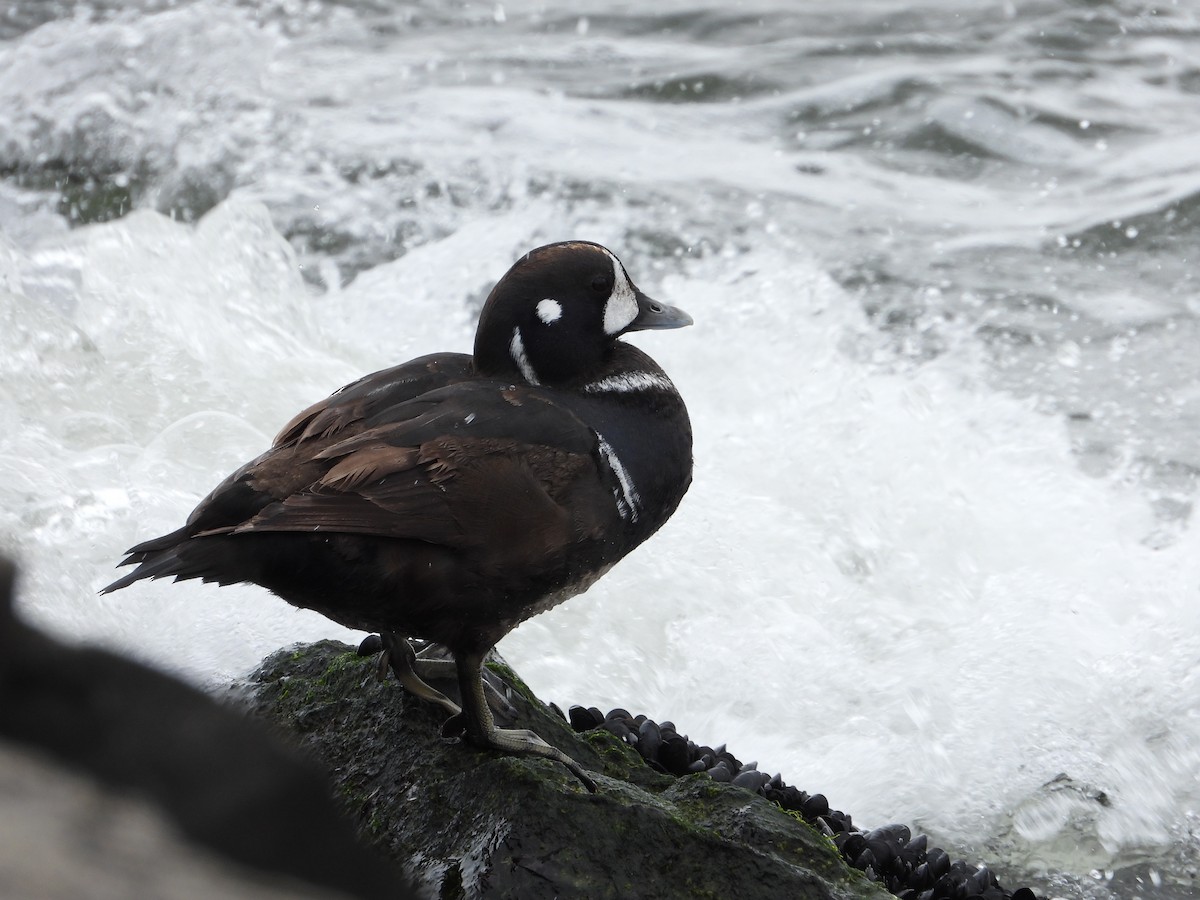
555,315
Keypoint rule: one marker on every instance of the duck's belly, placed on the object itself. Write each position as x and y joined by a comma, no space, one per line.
409,587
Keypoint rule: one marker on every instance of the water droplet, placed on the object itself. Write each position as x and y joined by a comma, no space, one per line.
1069,354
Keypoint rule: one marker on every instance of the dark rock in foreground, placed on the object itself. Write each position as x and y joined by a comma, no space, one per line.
470,823
141,753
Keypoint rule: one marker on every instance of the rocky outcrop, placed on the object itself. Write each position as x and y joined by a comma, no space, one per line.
476,824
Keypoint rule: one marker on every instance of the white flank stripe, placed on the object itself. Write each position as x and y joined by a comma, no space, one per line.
621,308
516,348
627,382
628,501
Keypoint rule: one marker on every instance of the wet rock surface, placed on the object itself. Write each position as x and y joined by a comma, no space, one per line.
670,818
476,824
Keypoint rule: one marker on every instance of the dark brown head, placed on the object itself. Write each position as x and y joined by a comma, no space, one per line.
554,317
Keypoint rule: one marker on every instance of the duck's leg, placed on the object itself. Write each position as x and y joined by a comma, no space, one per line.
415,670
482,731
429,667
398,654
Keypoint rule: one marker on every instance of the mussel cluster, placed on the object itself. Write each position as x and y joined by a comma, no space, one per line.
908,867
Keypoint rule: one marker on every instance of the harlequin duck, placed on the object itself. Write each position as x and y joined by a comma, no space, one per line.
452,497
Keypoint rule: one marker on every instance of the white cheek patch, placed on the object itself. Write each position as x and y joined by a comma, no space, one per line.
549,310
516,348
621,308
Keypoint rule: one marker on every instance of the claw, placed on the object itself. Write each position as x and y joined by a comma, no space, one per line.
398,655
454,726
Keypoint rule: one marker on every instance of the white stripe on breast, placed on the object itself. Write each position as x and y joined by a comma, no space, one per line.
627,382
626,495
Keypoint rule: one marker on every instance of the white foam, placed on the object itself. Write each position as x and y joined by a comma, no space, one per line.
183,350
896,587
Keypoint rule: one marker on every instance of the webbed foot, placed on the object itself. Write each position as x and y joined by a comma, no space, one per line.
481,730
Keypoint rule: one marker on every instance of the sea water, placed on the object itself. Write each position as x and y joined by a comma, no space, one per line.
939,559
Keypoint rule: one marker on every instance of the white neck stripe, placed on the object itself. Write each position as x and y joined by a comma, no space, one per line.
516,349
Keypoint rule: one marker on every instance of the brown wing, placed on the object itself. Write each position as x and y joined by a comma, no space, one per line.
463,493
447,476
361,400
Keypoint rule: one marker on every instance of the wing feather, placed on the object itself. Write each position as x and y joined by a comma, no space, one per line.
446,468
361,400
371,463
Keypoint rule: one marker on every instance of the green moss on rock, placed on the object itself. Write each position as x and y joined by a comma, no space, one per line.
470,823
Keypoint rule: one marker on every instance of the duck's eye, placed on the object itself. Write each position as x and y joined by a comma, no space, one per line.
601,283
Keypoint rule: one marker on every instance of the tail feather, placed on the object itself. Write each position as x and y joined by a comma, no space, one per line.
188,552
157,567
162,561
147,549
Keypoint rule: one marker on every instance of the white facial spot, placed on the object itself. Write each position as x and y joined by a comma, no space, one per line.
516,348
621,308
549,310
